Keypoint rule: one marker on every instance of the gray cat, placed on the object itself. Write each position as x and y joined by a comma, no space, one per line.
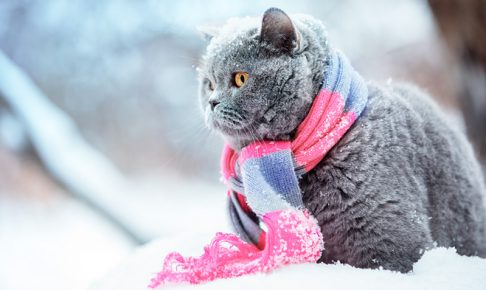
399,182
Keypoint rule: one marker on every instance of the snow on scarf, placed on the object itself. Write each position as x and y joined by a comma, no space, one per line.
265,200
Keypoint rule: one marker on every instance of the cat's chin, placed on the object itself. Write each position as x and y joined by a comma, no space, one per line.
237,138
237,143
241,136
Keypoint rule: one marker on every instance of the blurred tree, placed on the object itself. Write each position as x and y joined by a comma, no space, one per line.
463,25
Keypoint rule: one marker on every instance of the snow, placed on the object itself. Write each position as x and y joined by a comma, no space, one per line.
55,244
59,243
439,268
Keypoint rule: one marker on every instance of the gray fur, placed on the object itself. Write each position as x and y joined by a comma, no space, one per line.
399,182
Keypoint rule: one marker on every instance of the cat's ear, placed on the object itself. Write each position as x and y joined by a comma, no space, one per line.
278,31
208,31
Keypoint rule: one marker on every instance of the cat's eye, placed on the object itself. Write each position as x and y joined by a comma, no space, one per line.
210,85
240,78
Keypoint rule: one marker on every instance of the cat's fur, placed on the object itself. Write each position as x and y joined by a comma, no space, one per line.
400,181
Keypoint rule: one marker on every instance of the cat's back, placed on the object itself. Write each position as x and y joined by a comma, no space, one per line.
402,115
455,185
438,136
403,171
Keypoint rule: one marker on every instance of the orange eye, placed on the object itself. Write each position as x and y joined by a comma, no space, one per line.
240,78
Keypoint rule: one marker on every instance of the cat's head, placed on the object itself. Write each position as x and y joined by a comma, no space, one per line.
259,76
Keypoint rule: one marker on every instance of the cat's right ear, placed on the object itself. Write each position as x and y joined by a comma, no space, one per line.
278,31
207,32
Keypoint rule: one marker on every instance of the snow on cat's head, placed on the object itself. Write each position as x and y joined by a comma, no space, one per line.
259,75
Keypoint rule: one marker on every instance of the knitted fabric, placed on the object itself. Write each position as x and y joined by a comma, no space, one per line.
264,189
264,176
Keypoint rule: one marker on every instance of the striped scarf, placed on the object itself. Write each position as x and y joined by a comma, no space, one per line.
265,201
340,101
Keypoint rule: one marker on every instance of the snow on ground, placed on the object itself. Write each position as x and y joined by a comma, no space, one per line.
55,244
438,269
166,204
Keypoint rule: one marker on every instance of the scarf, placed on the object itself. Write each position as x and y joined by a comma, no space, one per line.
265,200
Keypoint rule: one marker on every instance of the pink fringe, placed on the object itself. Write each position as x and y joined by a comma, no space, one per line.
293,237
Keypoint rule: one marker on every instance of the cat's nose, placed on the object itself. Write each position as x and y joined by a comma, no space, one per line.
213,103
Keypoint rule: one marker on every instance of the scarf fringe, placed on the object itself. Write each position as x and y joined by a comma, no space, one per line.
293,236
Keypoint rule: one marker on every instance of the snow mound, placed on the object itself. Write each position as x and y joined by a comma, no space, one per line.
439,268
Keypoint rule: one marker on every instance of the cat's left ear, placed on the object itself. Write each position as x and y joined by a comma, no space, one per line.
278,31
208,31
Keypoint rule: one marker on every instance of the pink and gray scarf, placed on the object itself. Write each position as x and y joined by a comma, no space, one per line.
265,200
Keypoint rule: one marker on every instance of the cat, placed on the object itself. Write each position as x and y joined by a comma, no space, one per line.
400,181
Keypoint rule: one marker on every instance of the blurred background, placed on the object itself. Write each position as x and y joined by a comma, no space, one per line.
102,142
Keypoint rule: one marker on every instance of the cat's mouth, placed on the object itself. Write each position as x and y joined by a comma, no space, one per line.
230,123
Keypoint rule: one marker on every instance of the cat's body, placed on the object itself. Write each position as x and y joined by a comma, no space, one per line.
401,178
